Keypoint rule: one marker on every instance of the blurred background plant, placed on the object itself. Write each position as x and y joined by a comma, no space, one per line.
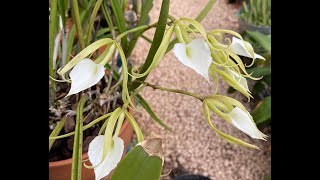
256,15
257,12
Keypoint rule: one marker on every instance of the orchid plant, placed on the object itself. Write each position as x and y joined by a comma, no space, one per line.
206,52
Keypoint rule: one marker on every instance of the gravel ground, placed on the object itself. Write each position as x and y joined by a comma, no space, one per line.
194,147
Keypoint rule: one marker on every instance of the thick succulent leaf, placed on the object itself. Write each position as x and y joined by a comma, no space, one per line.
119,15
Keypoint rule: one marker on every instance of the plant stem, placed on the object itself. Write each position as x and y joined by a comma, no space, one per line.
76,17
174,90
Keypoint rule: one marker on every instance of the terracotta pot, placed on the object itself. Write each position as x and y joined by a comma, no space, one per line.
61,170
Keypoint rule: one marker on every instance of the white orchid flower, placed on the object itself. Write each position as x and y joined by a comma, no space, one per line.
239,47
84,75
95,152
196,55
242,81
244,122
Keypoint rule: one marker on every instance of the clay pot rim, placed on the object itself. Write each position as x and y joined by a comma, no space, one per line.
84,156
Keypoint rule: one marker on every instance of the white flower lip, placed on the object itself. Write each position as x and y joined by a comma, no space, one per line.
243,122
84,75
196,55
237,46
95,152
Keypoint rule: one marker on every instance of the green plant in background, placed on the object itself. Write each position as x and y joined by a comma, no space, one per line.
257,12
90,60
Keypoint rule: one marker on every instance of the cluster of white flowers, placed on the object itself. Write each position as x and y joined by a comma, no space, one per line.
205,55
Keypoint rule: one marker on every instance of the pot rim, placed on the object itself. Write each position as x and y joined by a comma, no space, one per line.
84,156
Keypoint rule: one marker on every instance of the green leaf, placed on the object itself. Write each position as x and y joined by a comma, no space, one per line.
77,145
267,79
262,39
261,85
92,18
76,18
161,27
146,38
117,10
146,106
116,76
262,113
84,15
259,71
147,6
138,164
56,131
62,11
267,177
104,30
257,88
52,33
204,12
106,13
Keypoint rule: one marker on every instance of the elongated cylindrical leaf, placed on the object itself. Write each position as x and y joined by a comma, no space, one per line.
76,17
118,13
157,39
262,113
56,131
77,145
91,21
